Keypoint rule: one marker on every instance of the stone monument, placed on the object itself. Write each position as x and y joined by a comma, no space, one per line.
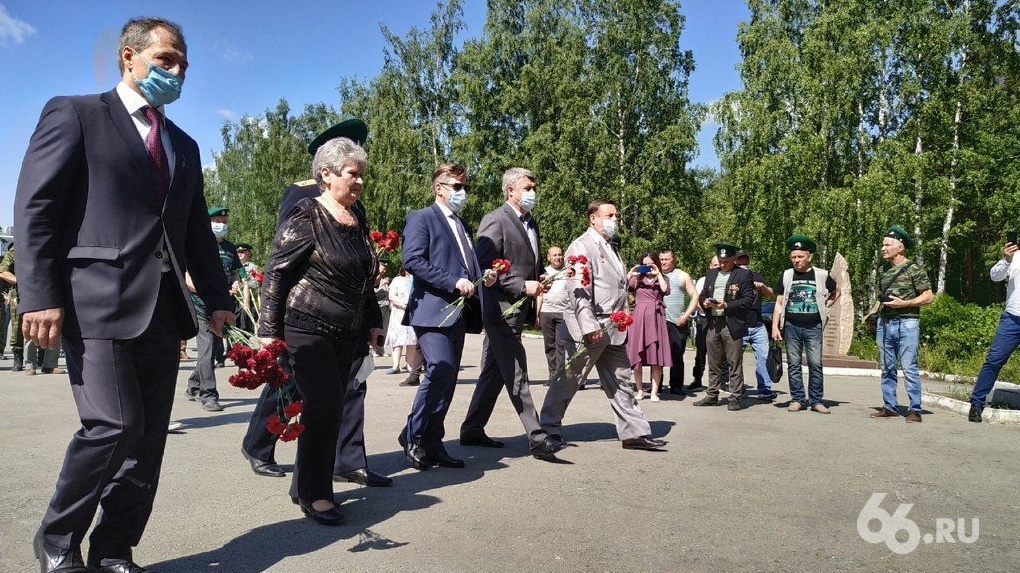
840,329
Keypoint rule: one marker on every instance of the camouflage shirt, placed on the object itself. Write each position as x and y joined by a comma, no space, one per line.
908,284
7,264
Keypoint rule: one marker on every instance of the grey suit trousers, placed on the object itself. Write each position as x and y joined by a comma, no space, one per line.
610,360
504,364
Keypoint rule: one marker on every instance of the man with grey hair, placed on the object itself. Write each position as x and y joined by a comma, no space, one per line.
109,212
509,232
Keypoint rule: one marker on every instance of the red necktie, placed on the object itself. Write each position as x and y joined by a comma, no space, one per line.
157,155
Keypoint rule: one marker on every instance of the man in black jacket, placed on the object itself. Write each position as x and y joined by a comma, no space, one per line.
727,297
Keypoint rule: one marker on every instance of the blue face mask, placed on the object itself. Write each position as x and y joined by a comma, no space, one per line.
159,87
528,200
457,200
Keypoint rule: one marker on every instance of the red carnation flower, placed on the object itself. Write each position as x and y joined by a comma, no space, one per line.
501,266
293,409
259,277
376,236
291,432
275,426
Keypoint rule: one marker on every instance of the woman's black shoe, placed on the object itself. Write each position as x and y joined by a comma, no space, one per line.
331,516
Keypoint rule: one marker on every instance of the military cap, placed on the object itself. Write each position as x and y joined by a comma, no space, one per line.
214,211
801,243
897,232
244,247
725,250
353,129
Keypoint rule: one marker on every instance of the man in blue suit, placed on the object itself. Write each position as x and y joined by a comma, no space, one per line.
109,214
439,252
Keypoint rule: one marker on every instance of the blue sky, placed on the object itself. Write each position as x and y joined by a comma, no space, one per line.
245,56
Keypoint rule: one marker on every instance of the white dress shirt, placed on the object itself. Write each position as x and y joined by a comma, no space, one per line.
1004,270
528,230
134,103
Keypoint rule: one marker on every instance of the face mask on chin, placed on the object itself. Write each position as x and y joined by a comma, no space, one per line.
159,87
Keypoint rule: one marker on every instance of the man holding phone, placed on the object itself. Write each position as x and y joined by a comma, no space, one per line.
727,297
1007,334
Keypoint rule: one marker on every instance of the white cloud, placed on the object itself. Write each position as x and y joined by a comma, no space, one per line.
13,30
227,114
232,54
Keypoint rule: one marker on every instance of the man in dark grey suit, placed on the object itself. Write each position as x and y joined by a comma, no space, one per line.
109,214
509,233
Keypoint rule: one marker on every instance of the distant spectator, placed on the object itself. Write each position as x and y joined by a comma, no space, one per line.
382,296
399,338
249,289
551,306
648,339
700,329
678,316
803,298
1007,334
902,289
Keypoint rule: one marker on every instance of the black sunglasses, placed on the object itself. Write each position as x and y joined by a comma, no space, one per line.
457,186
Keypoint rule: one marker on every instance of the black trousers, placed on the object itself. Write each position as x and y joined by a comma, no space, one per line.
123,390
321,365
700,350
555,343
350,446
677,344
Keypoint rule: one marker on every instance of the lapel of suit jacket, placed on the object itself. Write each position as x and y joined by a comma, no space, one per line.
180,158
444,224
136,149
516,223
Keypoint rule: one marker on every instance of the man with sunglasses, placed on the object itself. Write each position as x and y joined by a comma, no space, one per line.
439,252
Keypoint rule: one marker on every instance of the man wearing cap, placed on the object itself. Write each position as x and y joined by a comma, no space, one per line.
249,289
202,382
727,297
902,289
803,298
757,332
259,446
1007,334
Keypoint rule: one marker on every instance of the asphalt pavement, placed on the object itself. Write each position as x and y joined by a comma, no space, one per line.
758,490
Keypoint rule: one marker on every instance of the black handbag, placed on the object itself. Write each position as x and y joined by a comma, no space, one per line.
774,362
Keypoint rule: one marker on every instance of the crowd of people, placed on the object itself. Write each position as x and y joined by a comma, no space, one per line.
125,259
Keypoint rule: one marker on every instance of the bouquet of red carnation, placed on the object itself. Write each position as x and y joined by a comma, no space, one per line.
499,267
619,319
384,242
260,364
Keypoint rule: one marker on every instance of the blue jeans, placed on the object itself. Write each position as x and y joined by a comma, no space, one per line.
800,340
897,342
1006,340
758,338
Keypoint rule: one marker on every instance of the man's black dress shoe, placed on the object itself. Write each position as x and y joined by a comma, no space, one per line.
329,517
365,477
480,440
445,460
547,447
411,380
264,468
975,413
124,567
57,559
643,443
695,387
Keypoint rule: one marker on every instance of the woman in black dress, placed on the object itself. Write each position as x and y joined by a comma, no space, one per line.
317,296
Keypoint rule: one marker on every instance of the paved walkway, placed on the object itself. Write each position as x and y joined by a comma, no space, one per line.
758,490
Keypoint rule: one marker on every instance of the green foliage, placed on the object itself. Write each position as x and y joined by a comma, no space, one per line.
958,330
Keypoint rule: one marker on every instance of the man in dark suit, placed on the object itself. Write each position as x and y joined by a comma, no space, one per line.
109,214
727,297
259,445
439,252
511,233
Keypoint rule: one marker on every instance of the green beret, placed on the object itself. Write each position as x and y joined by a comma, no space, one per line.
353,129
244,246
897,232
801,243
725,250
214,211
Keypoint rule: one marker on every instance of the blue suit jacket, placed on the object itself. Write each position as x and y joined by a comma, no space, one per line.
432,255
91,229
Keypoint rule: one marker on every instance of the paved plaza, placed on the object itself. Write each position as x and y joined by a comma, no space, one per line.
758,490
